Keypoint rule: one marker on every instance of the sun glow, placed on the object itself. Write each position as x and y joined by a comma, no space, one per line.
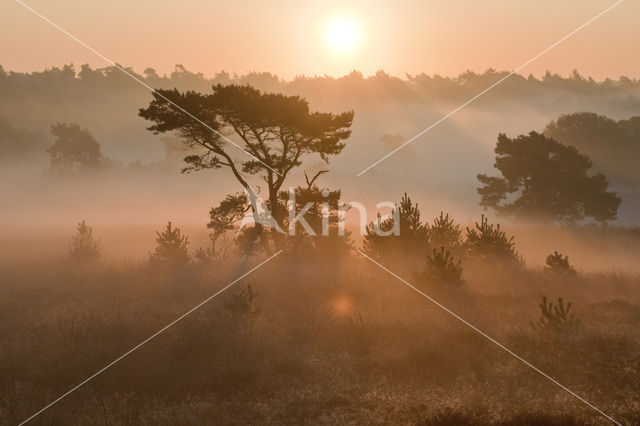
342,305
342,34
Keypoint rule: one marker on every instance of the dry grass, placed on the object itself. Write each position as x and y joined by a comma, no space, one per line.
326,346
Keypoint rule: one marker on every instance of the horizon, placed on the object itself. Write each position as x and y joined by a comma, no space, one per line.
404,77
454,37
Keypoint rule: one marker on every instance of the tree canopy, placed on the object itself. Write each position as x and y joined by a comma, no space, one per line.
19,144
277,130
543,178
73,148
614,146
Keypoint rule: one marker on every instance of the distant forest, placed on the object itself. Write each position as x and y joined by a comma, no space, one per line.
104,100
68,81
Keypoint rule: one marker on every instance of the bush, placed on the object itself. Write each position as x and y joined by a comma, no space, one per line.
83,248
559,264
241,304
208,255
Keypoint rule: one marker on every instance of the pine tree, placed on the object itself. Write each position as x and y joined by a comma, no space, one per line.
442,268
488,242
172,247
413,238
83,248
444,232
556,318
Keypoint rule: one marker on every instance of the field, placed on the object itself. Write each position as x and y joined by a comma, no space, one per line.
320,213
312,340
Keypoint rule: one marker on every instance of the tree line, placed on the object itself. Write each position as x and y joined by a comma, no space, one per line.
69,82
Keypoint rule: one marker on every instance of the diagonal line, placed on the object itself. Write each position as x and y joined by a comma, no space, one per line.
524,361
148,338
490,87
127,73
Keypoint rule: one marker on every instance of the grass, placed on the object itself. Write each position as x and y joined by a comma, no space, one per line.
347,345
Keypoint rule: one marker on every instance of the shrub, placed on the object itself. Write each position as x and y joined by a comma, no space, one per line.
442,268
557,263
208,255
241,304
172,247
556,318
83,248
488,242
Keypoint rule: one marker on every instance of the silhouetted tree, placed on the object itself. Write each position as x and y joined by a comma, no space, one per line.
228,213
171,249
444,232
322,215
612,146
412,241
73,148
442,269
277,130
544,178
83,248
19,144
489,243
225,217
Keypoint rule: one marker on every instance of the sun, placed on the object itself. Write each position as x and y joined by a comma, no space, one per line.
342,34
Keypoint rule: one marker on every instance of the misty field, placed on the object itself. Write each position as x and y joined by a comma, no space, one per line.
316,340
334,213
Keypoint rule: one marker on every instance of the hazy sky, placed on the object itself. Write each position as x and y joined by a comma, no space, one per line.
288,37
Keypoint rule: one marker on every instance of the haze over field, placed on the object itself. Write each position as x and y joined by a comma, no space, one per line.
502,139
440,167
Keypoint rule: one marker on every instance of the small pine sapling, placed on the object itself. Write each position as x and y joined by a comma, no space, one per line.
489,243
171,249
444,232
442,268
83,248
556,318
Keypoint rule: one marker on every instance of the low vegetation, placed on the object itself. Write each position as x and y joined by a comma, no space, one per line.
296,342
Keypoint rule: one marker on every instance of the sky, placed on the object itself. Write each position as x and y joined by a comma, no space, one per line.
290,38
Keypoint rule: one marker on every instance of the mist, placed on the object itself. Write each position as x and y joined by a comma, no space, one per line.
94,258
